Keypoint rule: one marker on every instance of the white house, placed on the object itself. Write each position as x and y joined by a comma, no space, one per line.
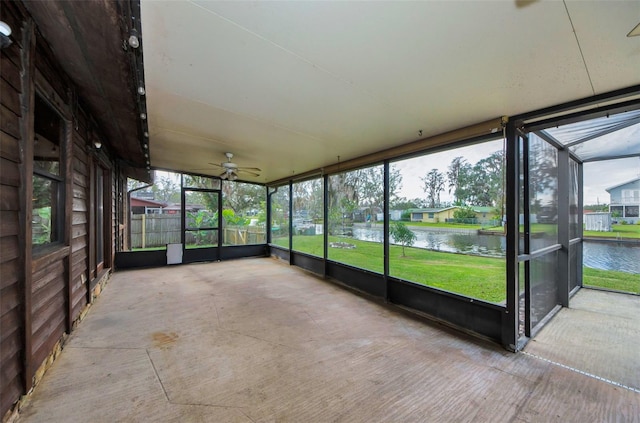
624,202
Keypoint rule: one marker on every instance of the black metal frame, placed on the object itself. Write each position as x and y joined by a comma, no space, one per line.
191,255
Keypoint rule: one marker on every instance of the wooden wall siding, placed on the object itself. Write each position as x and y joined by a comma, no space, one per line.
42,295
80,226
11,275
48,311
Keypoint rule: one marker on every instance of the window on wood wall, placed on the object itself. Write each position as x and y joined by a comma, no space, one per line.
48,178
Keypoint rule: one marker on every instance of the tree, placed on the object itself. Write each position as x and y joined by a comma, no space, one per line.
486,181
459,175
403,203
166,188
433,186
402,235
242,197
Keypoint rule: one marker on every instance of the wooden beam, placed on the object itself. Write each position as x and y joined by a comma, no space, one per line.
27,99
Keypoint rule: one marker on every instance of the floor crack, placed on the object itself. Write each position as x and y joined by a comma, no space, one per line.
158,377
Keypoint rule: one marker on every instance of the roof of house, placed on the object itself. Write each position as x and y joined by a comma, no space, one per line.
431,209
623,184
142,202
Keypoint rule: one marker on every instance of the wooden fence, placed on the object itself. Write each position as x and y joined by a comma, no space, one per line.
157,230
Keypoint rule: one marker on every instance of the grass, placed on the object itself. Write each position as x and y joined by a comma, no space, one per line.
618,231
150,248
611,279
473,276
477,277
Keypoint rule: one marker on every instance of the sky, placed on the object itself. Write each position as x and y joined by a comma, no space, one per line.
414,169
601,175
597,175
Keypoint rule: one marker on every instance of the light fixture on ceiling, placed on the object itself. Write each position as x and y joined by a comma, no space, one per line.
146,134
141,90
5,32
635,32
97,145
143,116
134,41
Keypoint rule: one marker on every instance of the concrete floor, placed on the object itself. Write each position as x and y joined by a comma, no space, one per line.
258,341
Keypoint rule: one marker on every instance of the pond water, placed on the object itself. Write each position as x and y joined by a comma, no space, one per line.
624,257
621,256
450,242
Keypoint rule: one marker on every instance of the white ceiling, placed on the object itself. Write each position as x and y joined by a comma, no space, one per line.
289,86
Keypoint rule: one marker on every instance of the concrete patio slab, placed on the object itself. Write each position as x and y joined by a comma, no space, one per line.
259,341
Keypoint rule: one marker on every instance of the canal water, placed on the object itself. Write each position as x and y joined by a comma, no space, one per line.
621,256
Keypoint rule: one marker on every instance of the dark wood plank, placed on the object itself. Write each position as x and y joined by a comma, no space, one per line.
9,122
79,218
11,344
10,97
8,223
79,205
55,329
11,322
79,180
52,255
9,173
26,190
9,248
9,198
45,295
10,298
79,257
79,192
11,392
49,323
10,67
79,243
46,275
12,368
9,147
9,273
78,307
78,231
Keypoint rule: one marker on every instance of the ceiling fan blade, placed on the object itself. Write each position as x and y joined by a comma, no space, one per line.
249,172
255,169
216,164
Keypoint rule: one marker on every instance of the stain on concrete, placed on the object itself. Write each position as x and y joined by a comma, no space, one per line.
164,340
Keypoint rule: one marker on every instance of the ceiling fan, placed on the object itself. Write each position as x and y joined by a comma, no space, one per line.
231,169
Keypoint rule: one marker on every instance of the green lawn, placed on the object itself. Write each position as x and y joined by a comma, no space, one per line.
618,231
164,247
611,279
476,277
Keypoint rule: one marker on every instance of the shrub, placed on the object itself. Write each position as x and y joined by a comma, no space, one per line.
402,234
464,213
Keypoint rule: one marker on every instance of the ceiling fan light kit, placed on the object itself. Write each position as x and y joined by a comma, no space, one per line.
231,169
